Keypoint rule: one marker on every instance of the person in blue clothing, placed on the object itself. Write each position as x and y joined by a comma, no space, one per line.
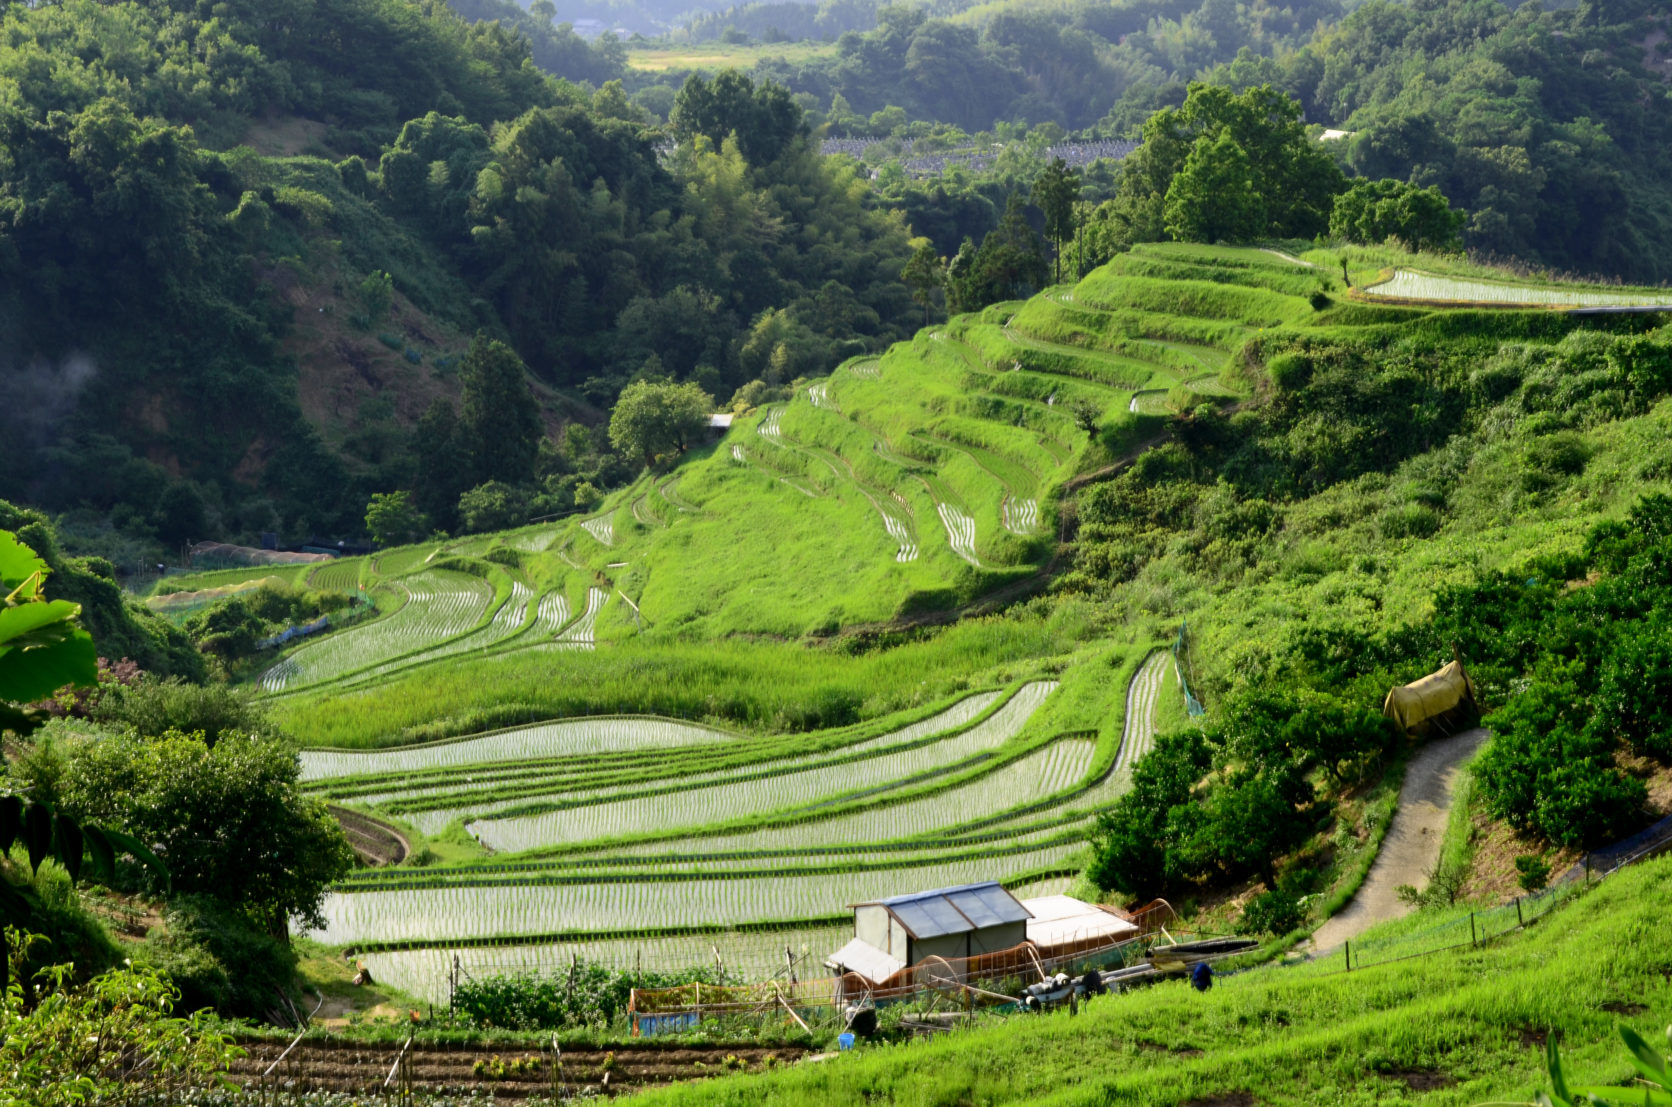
1201,977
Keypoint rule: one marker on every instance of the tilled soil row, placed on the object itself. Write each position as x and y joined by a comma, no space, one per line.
504,1072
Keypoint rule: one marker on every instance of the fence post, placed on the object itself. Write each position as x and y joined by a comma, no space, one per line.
1519,921
1471,928
1347,948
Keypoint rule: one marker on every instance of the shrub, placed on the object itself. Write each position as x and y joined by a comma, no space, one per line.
1273,912
1532,872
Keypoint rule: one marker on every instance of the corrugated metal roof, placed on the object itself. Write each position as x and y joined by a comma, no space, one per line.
954,910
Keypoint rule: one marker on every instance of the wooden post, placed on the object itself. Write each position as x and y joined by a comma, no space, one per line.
1471,928
1519,921
1347,948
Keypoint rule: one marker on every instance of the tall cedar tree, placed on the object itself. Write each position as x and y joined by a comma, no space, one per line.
498,418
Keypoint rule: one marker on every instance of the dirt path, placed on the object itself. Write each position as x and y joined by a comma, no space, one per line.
1413,840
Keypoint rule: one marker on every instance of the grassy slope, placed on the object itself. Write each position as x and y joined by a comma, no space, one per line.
1289,1039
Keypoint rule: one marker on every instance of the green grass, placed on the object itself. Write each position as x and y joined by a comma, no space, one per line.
1471,1016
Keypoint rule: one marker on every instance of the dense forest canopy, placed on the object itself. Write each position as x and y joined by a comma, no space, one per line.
152,264
243,248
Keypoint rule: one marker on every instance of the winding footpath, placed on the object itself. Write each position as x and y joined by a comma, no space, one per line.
1412,844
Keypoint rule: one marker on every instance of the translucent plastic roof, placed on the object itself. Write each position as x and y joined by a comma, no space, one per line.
955,910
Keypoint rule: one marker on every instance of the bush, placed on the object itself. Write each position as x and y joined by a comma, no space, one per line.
493,506
216,959
1532,872
1275,912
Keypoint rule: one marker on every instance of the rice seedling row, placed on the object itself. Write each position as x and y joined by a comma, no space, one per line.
610,864
567,737
819,394
1020,516
866,368
811,862
707,805
434,915
342,575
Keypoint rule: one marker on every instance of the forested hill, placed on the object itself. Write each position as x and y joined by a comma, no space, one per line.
1552,128
244,249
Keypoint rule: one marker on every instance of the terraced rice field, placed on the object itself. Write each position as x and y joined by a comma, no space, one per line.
1013,806
1409,284
724,802
426,914
438,606
960,532
602,528
579,634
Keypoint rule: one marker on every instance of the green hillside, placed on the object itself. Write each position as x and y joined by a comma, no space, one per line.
1463,1027
1257,470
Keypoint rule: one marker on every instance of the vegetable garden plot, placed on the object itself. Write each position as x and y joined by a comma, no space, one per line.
433,915
558,739
601,528
578,636
752,955
1408,284
717,803
439,605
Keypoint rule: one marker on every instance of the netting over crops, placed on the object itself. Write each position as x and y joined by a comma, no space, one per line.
221,555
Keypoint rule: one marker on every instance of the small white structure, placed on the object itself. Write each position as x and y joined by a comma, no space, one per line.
721,422
1333,135
1062,925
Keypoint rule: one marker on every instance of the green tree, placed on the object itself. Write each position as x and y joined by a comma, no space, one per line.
377,295
492,506
499,422
1057,191
923,274
1372,212
232,818
443,463
654,417
1214,196
392,519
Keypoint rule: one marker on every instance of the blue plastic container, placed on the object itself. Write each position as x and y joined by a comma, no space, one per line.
845,1041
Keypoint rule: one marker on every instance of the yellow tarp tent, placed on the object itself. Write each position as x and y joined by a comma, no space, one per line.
1443,701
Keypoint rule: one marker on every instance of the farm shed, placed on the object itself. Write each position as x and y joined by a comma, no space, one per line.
1442,702
961,921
